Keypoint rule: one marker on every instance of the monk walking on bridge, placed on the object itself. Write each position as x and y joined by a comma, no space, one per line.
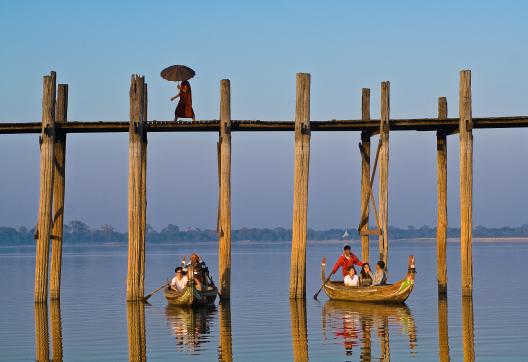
181,73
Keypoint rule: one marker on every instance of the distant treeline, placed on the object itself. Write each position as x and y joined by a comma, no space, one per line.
76,232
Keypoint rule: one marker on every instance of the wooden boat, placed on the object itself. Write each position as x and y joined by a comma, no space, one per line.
388,293
191,296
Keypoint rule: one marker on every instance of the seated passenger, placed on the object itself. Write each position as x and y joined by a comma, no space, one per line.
200,271
380,277
365,276
351,279
179,282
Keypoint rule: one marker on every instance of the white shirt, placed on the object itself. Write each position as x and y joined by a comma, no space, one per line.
351,282
179,284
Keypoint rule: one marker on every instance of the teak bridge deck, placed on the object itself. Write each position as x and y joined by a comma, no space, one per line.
54,128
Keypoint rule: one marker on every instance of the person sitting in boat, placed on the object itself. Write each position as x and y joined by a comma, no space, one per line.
200,270
380,277
351,279
179,282
365,275
347,259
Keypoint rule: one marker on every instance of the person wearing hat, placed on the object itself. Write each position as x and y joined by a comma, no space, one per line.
346,260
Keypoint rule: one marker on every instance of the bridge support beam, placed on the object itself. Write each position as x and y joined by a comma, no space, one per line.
441,228
384,172
365,175
300,187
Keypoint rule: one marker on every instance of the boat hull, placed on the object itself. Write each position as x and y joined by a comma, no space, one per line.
190,296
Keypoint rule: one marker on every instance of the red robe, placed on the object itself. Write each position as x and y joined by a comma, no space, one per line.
184,108
345,262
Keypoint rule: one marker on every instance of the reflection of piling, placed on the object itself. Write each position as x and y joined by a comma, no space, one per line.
224,206
365,176
56,330
467,329
225,351
299,330
366,346
385,340
41,332
137,189
58,193
443,337
384,172
47,151
137,340
300,187
441,230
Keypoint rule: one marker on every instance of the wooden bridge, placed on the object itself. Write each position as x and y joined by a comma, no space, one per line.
54,128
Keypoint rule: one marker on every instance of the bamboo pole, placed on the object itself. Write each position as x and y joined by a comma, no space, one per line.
300,187
298,330
136,190
384,172
466,182
365,174
443,335
224,219
225,351
467,329
41,332
137,339
56,330
47,151
61,116
441,229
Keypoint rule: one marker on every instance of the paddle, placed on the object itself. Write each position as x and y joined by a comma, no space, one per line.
145,298
326,281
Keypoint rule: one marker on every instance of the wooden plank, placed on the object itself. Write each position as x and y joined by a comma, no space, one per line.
466,183
224,242
367,232
300,187
47,154
59,179
384,172
365,175
441,229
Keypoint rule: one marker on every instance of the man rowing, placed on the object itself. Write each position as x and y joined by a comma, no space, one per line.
346,260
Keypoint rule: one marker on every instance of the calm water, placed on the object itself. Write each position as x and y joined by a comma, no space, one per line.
93,321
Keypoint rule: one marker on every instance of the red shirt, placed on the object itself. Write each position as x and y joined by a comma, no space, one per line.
345,262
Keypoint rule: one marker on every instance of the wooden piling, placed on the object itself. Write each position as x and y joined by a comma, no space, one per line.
466,182
61,116
136,190
47,152
300,187
224,216
365,175
299,330
441,229
384,172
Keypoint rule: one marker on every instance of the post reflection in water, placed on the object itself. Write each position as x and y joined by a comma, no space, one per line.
225,350
351,324
42,337
443,336
190,326
56,330
137,345
467,329
298,329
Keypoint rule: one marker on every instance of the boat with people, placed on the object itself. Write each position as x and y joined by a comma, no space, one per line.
386,293
190,295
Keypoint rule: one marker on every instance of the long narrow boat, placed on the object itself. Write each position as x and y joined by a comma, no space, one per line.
388,293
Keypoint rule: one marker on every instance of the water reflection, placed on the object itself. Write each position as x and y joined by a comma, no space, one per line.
225,350
352,323
42,338
298,329
443,337
467,329
137,345
190,326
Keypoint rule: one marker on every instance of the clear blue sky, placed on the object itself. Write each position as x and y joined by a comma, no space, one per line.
419,46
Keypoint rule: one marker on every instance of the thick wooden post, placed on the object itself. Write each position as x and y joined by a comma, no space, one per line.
61,116
365,175
466,182
300,187
136,190
384,172
225,350
299,330
47,151
224,218
441,228
443,336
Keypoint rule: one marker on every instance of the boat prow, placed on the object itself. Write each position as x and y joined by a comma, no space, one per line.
388,293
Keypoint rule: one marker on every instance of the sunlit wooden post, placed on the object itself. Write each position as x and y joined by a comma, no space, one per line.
300,187
441,229
224,217
466,182
136,190
365,175
384,172
47,152
61,116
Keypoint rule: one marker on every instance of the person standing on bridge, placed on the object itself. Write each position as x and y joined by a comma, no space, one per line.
181,73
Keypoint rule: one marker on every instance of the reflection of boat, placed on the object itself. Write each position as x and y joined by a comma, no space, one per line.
191,295
352,323
389,293
190,326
